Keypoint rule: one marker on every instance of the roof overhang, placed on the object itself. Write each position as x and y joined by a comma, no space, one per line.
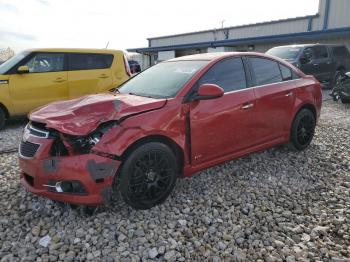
294,37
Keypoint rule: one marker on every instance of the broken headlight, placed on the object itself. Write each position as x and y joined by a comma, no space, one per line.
83,144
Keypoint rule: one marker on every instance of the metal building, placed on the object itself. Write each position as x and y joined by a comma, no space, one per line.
330,25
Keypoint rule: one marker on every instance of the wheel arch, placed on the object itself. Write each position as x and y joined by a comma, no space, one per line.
3,107
341,68
308,106
175,148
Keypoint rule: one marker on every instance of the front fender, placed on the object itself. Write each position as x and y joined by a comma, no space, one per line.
5,98
168,123
118,139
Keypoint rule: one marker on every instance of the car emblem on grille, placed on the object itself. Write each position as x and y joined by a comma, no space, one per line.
26,135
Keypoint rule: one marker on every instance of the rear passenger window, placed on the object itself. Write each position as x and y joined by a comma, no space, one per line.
286,73
320,52
89,61
265,71
228,74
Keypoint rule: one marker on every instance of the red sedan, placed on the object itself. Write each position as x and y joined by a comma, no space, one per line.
172,120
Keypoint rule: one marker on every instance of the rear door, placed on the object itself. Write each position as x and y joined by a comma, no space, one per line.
324,62
46,82
224,125
275,96
89,73
320,64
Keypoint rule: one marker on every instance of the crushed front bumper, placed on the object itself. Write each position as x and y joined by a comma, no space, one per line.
94,174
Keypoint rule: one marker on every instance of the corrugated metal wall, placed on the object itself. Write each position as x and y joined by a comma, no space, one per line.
339,13
235,33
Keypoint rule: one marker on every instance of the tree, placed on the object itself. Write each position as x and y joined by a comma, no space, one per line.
6,54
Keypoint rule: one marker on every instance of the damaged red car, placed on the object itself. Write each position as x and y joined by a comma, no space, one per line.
175,119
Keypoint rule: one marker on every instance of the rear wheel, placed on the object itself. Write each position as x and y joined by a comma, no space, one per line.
303,129
2,118
338,76
148,175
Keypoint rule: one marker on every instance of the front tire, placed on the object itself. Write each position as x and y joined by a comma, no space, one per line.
303,129
148,176
2,118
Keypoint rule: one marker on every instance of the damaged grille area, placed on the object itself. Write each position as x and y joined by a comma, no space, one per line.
28,149
58,148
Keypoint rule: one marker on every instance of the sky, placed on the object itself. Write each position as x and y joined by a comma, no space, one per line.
127,24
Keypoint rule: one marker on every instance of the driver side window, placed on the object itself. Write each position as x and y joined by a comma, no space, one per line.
309,54
46,62
229,74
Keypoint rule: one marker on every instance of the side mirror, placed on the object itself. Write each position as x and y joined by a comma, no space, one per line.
23,70
209,91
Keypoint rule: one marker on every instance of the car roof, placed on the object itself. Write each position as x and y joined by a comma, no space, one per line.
214,56
76,50
307,45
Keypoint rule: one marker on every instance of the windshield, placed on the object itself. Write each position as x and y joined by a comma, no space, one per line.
285,52
163,80
12,61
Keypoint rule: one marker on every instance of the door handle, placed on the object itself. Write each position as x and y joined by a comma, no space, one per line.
315,64
59,80
247,106
103,76
289,94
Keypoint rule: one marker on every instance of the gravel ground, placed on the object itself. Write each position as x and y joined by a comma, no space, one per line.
277,205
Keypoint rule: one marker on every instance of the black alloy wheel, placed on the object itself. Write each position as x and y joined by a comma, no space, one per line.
303,129
148,175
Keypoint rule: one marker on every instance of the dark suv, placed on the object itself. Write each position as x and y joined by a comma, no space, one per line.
326,62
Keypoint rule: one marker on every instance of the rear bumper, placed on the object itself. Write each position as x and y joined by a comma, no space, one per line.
95,174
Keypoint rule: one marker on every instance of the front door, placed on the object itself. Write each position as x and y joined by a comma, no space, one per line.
224,125
46,82
89,74
275,95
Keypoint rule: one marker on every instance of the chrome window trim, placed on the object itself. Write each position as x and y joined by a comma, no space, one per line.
267,85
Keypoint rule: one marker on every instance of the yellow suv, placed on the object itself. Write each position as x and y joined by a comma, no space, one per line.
37,77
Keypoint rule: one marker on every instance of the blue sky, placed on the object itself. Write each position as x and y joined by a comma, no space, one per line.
125,24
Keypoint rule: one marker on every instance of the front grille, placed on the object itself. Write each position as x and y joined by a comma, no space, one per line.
28,149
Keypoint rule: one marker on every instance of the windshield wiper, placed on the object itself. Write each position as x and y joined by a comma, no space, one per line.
133,94
142,95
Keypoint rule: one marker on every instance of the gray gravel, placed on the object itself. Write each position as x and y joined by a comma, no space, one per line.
10,137
277,205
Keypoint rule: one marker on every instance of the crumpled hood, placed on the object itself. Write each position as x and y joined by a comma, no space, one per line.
83,115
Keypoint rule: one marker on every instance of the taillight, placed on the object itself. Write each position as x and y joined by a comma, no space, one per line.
127,67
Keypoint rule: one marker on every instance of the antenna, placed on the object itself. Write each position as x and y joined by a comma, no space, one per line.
107,45
222,23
